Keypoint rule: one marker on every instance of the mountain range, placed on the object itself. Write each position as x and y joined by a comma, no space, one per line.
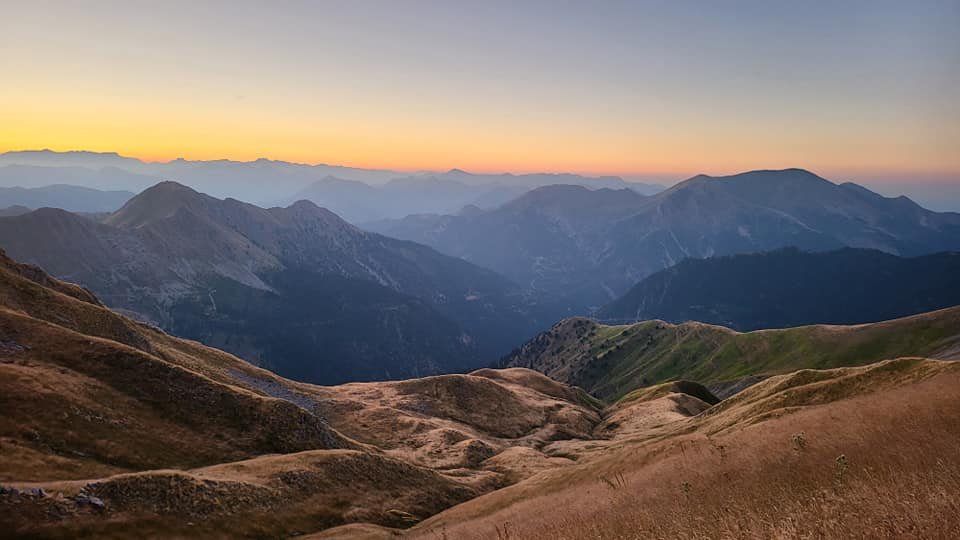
789,287
67,197
301,291
103,178
296,289
452,192
585,248
15,210
355,194
113,428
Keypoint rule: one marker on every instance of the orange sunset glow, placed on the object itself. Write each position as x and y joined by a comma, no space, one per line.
152,90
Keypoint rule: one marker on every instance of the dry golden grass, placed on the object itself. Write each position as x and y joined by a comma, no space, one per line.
184,441
89,395
899,478
455,423
269,496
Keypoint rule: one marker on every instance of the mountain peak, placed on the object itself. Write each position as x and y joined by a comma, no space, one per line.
168,186
791,172
304,208
303,204
159,201
760,179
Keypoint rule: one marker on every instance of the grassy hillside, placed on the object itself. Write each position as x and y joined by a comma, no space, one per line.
610,361
845,453
175,439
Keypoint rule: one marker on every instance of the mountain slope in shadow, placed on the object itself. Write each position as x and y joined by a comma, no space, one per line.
792,288
296,289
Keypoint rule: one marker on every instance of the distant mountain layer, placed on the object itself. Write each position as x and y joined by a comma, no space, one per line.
358,202
450,193
586,248
355,194
790,287
104,178
295,289
67,197
612,361
14,210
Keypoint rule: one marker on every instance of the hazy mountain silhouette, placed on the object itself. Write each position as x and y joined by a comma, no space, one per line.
71,198
14,211
358,202
101,178
356,194
586,248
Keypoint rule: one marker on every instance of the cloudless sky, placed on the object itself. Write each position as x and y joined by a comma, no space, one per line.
641,89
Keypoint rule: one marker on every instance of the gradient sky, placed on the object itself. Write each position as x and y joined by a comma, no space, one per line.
641,89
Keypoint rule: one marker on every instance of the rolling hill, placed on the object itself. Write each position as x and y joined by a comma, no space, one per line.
611,361
112,428
126,428
586,248
296,289
851,452
792,288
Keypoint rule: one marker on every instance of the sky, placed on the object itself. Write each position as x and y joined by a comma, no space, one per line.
645,90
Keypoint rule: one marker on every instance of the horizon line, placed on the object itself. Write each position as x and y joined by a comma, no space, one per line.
631,177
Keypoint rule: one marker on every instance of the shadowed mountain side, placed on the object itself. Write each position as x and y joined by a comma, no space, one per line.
789,287
295,289
85,390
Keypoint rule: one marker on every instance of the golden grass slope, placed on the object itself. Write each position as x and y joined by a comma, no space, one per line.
871,453
178,439
267,497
